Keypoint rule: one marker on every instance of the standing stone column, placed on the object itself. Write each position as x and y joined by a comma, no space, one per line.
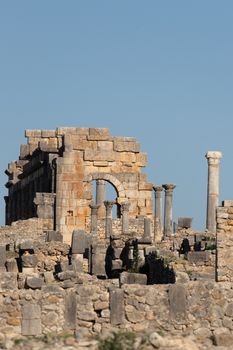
100,196
213,159
108,219
94,218
168,210
125,217
158,225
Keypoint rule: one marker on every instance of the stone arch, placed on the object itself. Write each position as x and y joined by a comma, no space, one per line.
121,194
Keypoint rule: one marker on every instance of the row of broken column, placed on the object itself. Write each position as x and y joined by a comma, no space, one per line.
163,230
159,229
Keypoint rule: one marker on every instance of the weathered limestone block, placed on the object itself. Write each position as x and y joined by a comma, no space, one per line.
98,134
105,145
31,319
33,133
29,260
117,312
126,146
54,236
196,257
3,257
11,265
34,282
80,242
26,245
132,278
227,203
80,142
48,133
177,301
99,156
141,159
70,309
24,151
97,260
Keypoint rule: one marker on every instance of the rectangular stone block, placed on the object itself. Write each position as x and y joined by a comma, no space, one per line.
32,133
80,142
145,186
71,309
127,157
101,163
96,155
2,256
105,145
197,257
132,278
31,327
31,311
97,260
177,301
48,133
24,151
141,159
126,146
79,242
117,312
54,236
227,203
98,134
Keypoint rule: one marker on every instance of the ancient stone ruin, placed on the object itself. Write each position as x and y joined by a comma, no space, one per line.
87,247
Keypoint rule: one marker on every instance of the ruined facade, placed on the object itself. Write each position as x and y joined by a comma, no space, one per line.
56,173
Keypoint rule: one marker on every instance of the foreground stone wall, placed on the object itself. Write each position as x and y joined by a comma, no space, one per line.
224,241
89,306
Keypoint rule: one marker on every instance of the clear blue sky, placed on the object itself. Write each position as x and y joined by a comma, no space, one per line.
158,70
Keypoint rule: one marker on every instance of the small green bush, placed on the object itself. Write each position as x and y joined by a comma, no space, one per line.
117,341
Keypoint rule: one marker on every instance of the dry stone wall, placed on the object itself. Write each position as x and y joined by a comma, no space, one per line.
224,241
89,306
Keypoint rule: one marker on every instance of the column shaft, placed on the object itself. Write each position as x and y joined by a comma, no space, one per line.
168,210
213,159
108,218
158,225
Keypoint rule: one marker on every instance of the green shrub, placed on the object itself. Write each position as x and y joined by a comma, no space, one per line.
117,341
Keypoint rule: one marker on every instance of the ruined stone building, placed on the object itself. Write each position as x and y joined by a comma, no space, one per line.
58,170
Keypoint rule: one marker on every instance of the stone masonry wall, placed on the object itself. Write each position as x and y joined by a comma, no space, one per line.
224,241
89,306
67,162
93,154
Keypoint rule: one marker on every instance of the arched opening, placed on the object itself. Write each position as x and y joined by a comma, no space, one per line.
103,190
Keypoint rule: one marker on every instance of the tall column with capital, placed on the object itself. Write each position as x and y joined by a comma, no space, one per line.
125,217
108,219
213,159
101,195
168,210
94,218
158,225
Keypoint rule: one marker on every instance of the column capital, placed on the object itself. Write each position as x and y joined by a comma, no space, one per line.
100,182
213,157
124,207
169,187
109,204
158,188
94,206
213,154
